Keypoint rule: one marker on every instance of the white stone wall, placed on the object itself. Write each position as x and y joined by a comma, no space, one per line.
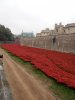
69,30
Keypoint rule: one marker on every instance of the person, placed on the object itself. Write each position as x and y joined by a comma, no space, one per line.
1,56
1,59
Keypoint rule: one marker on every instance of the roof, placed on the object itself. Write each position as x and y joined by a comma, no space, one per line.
46,30
27,34
70,25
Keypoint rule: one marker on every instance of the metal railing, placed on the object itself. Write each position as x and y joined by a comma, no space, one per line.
5,92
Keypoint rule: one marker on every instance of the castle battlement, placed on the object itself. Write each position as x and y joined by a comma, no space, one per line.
59,29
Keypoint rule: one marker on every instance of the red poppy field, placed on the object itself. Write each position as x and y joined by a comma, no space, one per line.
60,66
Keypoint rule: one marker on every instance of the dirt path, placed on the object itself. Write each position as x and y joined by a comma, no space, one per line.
23,85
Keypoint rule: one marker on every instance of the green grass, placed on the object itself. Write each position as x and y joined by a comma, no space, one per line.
60,90
64,92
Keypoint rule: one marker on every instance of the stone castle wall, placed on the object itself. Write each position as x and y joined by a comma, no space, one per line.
61,42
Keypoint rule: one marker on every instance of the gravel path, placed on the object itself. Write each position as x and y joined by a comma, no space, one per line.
23,85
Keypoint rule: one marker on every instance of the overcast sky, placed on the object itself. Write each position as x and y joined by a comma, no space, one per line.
35,15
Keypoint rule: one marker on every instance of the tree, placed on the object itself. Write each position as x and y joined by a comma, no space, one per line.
5,34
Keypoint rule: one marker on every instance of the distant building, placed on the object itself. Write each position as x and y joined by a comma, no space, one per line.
70,28
45,32
59,29
27,34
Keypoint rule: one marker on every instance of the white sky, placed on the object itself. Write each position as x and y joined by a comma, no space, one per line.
35,15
